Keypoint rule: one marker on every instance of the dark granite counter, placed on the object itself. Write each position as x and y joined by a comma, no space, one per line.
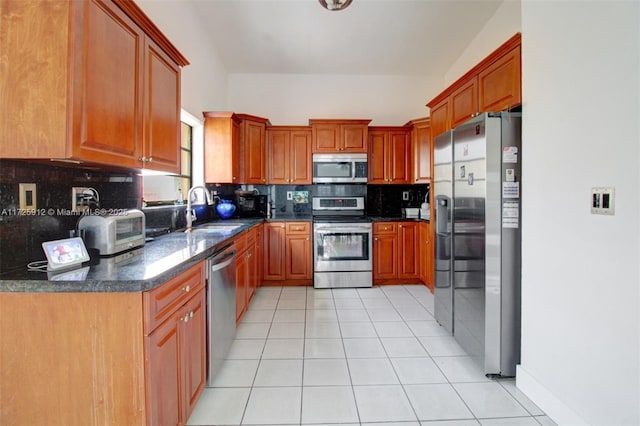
138,270
397,219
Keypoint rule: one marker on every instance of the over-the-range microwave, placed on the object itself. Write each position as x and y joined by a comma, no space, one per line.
339,168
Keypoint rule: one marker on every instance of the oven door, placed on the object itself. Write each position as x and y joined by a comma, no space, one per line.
342,247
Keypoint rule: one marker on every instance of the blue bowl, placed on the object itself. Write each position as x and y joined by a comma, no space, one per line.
225,209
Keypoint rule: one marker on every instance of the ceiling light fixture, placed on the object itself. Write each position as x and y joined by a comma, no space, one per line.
335,4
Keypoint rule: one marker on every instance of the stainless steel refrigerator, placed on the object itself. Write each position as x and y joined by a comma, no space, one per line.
477,197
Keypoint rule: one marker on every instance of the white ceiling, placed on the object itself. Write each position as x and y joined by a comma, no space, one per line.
369,37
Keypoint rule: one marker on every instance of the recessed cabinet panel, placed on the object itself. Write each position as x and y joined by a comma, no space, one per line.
500,84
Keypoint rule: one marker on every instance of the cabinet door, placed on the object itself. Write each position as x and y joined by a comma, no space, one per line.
397,157
385,254
326,137
422,152
237,162
300,157
353,138
164,405
377,163
425,253
274,251
464,102
408,250
298,258
162,111
254,152
278,154
440,118
242,280
108,90
192,329
500,83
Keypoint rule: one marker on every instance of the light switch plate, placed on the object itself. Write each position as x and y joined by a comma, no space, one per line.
28,197
603,200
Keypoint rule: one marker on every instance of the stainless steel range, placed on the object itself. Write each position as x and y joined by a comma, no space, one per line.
342,243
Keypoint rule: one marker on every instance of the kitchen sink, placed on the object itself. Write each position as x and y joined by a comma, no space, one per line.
217,228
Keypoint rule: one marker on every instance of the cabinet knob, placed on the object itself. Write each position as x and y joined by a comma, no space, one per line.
186,289
186,318
143,159
307,238
150,159
375,239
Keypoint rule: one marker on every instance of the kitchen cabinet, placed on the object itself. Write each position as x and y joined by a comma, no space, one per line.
395,252
247,268
287,253
389,155
339,136
175,350
114,358
253,142
289,155
55,106
421,149
426,253
494,84
234,148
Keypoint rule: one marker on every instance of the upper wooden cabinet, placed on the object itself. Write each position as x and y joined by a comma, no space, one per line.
289,155
97,83
253,143
389,155
234,148
421,149
492,85
331,136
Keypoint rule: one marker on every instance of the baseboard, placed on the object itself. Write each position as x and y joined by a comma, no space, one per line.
553,407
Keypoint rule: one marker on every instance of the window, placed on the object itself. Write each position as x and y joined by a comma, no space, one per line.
172,189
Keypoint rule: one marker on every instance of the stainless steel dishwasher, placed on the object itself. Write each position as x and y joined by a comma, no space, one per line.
221,308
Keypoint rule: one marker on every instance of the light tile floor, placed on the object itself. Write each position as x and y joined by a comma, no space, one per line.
348,357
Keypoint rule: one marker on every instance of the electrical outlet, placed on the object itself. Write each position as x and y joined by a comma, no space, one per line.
289,195
603,200
405,195
27,197
78,203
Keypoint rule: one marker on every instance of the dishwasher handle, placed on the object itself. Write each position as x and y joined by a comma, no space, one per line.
222,259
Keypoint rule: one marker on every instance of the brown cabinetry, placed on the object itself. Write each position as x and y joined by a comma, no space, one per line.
339,136
122,106
234,148
395,252
494,84
248,268
421,150
175,351
289,155
426,253
287,252
389,155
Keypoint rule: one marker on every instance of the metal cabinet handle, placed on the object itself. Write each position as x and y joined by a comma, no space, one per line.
186,289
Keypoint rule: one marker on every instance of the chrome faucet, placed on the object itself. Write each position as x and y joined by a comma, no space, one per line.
191,215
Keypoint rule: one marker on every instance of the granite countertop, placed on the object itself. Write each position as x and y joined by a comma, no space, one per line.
396,219
139,270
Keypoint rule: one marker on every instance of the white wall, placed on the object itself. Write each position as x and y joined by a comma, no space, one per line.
580,323
501,27
291,99
204,80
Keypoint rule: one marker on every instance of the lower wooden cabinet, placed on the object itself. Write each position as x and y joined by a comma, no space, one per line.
248,268
426,252
287,252
395,252
130,358
175,350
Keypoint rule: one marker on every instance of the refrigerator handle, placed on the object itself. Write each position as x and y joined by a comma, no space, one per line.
442,214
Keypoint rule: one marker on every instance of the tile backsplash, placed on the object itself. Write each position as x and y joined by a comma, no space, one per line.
21,235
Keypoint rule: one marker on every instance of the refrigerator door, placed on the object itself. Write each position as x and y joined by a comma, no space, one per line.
443,202
469,236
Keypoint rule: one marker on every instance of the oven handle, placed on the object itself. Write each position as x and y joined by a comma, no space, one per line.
349,230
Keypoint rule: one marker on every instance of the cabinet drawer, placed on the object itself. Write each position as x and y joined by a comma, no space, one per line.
240,243
385,228
298,228
161,302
